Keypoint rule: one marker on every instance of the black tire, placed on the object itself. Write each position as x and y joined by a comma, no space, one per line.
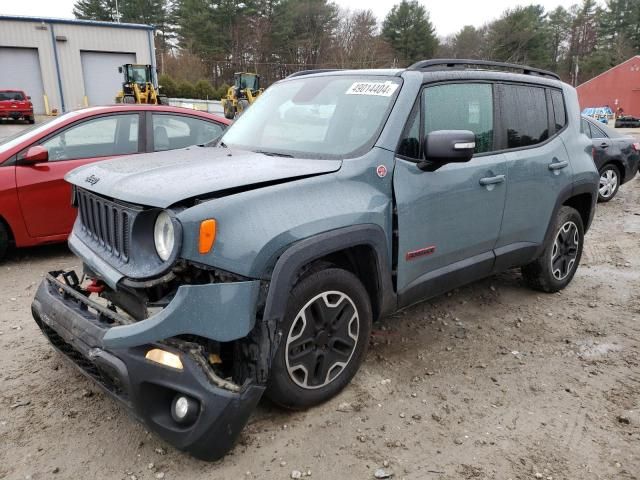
5,240
609,182
229,111
542,274
243,104
31,120
331,299
129,99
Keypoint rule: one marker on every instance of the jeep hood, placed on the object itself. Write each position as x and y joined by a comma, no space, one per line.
164,178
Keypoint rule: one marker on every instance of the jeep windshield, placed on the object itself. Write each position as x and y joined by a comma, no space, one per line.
316,117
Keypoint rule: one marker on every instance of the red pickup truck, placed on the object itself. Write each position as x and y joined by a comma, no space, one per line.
15,105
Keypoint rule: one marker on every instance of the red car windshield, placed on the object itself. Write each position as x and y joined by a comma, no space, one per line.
9,95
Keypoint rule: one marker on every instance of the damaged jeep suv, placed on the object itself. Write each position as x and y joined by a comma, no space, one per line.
257,264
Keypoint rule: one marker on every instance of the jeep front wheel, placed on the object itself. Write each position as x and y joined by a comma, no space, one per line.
557,265
325,334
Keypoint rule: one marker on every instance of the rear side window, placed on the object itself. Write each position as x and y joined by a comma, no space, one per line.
464,106
559,112
524,114
180,131
597,132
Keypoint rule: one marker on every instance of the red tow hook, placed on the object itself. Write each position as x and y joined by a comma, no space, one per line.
96,286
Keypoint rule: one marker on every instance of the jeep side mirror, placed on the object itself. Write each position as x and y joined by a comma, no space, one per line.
447,146
36,154
28,97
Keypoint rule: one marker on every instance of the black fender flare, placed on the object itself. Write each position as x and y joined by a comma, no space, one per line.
578,188
312,248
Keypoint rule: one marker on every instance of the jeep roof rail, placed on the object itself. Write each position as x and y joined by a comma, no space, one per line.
309,72
457,62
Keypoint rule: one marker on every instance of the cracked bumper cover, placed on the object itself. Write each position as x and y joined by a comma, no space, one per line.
117,362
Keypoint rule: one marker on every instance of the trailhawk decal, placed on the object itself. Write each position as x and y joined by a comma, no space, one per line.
423,252
380,89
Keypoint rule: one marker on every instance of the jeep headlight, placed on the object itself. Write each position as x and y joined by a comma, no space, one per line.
164,236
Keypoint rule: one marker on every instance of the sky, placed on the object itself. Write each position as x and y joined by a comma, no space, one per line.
447,16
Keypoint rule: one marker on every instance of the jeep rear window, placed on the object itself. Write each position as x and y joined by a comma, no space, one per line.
6,95
316,117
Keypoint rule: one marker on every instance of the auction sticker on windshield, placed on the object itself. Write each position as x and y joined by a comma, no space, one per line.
381,89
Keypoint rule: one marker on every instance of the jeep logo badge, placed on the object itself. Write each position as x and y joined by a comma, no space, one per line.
92,180
381,171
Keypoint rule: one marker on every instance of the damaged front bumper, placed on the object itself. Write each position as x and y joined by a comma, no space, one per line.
112,352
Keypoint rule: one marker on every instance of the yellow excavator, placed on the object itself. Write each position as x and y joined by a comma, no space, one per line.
139,86
244,91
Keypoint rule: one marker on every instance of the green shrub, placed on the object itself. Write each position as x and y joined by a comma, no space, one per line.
222,91
185,90
204,90
168,86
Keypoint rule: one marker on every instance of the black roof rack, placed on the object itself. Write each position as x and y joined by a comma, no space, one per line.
457,62
309,72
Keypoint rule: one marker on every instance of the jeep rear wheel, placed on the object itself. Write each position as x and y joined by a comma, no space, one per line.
557,265
325,334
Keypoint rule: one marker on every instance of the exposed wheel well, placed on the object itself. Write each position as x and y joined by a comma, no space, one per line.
359,260
8,227
583,203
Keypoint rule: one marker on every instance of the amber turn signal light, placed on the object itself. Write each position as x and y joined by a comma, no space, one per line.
207,236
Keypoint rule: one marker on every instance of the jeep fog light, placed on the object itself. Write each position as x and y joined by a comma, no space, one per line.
165,358
184,409
164,236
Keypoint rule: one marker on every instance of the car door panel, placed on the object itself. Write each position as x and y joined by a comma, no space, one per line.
452,215
539,174
537,164
449,219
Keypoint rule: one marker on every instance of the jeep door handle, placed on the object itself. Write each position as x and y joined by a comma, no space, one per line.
558,165
604,145
491,180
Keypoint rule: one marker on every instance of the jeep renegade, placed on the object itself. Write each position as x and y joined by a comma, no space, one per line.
256,266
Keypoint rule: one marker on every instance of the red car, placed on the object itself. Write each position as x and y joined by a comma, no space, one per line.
35,200
16,105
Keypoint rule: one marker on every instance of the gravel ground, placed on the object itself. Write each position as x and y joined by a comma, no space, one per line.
490,381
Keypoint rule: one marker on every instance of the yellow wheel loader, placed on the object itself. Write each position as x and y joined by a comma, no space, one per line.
138,86
243,92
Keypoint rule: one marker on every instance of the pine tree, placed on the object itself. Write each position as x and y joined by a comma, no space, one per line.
409,31
104,10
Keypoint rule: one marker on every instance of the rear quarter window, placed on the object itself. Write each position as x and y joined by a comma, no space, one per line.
559,111
524,115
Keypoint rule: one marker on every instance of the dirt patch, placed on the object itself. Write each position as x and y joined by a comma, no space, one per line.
490,381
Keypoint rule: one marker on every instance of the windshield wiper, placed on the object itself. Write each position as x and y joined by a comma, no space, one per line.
273,154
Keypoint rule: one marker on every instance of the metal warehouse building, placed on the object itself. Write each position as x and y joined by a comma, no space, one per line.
617,87
67,64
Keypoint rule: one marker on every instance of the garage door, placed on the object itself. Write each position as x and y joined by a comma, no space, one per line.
21,71
101,78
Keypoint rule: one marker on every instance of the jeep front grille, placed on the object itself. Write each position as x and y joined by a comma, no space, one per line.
105,222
